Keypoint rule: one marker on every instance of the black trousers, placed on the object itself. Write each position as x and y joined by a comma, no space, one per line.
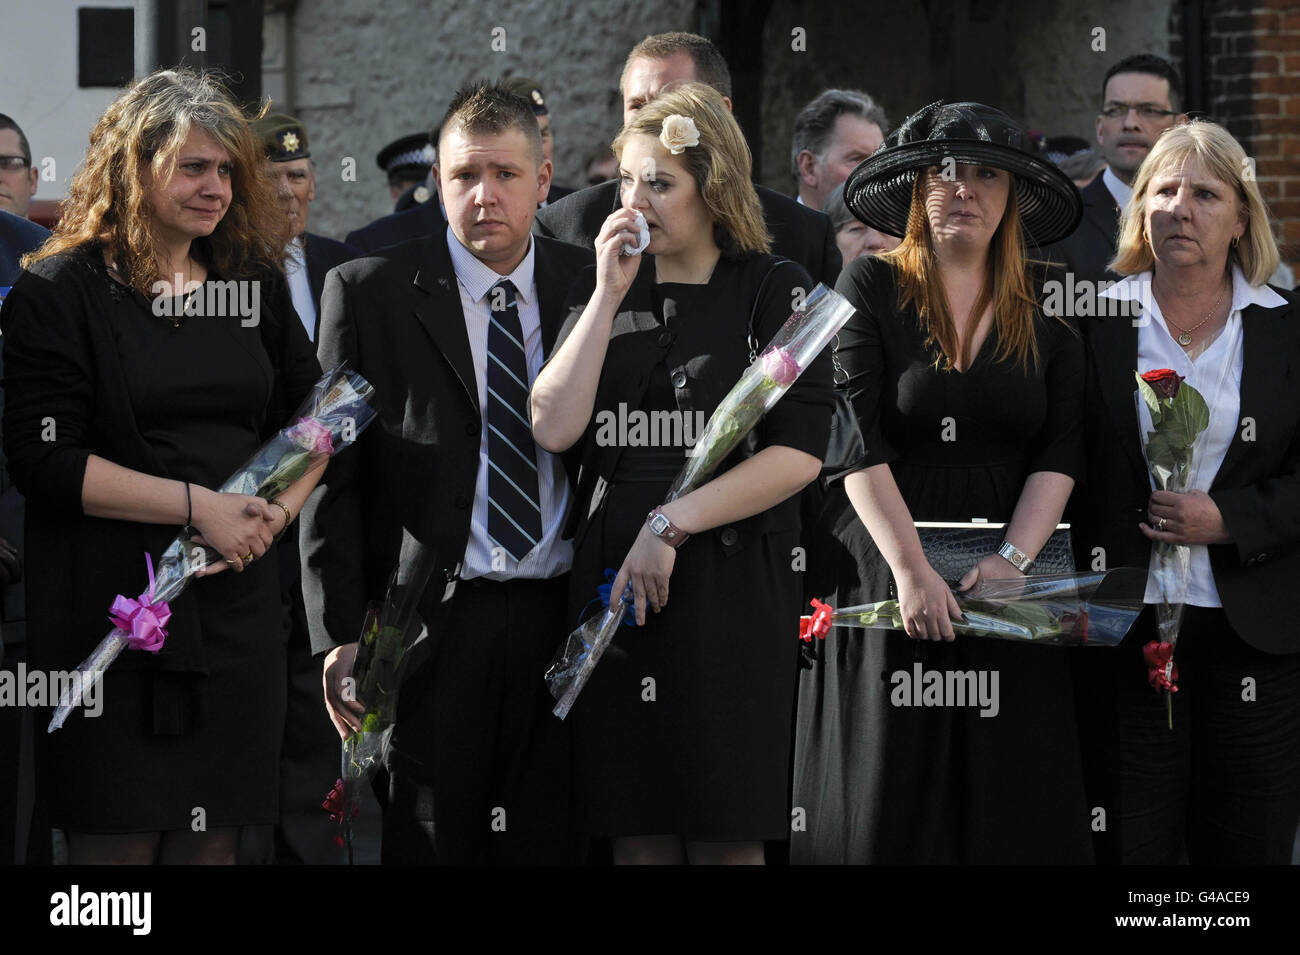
1222,787
479,769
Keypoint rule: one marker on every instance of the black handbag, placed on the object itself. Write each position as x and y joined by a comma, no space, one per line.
845,450
952,549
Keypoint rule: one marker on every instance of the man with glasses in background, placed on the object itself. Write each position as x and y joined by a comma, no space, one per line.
17,174
1140,99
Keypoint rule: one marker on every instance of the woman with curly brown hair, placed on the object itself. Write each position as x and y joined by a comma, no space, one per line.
150,347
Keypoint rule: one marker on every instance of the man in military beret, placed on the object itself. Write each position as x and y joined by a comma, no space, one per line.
531,90
311,751
308,256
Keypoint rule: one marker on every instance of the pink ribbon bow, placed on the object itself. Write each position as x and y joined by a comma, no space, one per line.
144,620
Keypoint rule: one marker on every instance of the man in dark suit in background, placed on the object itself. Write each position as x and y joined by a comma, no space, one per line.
18,827
310,757
1140,99
656,63
451,329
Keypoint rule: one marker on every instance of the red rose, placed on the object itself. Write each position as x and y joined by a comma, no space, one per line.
1163,381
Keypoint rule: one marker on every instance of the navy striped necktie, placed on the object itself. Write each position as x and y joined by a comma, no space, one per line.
514,500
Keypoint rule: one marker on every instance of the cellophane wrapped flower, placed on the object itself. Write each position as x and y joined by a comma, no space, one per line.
329,418
1093,610
1179,416
393,642
800,339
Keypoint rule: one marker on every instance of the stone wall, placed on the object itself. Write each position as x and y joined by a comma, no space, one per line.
360,75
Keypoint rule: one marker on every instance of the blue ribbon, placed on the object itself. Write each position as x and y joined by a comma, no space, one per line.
602,594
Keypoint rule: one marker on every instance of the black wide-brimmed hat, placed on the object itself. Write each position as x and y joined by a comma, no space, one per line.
879,190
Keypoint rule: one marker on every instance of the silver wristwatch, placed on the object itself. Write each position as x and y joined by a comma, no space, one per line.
1016,557
666,530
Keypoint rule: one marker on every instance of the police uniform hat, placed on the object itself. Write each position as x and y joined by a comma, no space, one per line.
283,137
413,154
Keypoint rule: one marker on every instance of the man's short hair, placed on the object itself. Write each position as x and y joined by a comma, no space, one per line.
710,67
815,123
1153,66
491,108
7,123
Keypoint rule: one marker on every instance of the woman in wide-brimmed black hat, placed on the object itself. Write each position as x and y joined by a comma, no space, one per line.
969,399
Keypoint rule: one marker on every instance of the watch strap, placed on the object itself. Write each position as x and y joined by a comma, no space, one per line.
665,529
1015,557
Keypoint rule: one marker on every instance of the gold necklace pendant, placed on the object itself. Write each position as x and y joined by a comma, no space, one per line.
1184,339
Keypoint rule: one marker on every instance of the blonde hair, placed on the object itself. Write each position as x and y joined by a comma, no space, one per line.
1256,252
1007,285
720,164
146,126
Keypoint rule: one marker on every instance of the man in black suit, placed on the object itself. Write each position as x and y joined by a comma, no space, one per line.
311,752
451,329
656,63
18,827
1140,99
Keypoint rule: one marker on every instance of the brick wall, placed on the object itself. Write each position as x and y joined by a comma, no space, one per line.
1250,66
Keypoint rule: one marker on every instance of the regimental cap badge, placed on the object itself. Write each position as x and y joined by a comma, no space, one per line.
283,138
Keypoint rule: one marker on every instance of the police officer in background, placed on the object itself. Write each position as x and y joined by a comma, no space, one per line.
407,162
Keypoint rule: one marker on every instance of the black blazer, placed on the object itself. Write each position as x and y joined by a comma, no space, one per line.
323,254
641,339
413,223
17,237
798,233
396,317
1086,251
62,363
1257,488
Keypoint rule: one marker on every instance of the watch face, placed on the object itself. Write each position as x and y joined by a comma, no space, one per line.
658,525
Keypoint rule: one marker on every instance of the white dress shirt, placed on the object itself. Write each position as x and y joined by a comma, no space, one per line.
295,268
1216,374
553,555
1119,189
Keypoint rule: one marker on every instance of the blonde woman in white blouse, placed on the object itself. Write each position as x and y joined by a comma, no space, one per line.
1223,785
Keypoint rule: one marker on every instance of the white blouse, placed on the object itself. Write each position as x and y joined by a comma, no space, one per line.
1216,374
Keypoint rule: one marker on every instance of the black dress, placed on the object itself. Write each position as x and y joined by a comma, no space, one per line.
890,784
684,727
194,732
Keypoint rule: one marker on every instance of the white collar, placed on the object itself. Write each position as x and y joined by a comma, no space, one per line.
479,279
1120,191
1243,293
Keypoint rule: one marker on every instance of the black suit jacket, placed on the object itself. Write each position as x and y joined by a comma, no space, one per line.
408,482
62,327
1257,488
1086,251
323,254
17,237
798,233
414,223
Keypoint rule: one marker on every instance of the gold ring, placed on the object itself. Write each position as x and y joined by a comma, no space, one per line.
248,558
1160,524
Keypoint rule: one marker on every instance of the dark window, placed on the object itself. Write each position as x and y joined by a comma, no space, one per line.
105,46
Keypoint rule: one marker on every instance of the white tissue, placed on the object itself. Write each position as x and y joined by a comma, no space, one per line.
643,239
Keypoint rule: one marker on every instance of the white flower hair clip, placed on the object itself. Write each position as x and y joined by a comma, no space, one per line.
677,133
